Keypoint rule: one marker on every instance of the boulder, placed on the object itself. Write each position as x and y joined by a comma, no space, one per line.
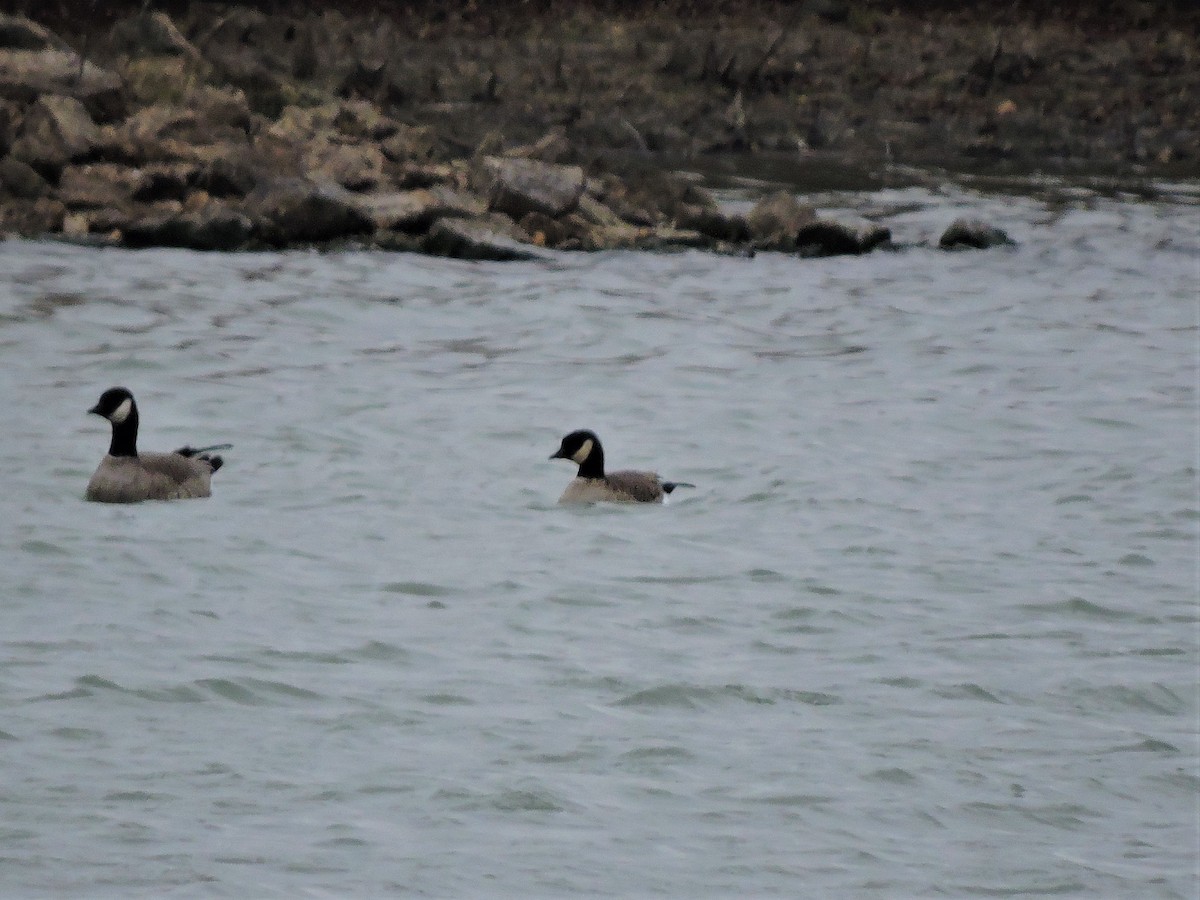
167,181
26,75
211,227
776,219
596,213
972,234
516,187
543,231
57,130
151,34
227,177
356,167
32,218
21,180
409,143
98,185
824,237
713,222
417,210
168,131
292,210
475,239
8,126
20,33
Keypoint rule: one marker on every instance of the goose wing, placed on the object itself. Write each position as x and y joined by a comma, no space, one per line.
642,487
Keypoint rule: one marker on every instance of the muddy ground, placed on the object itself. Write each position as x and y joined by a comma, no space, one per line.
1071,86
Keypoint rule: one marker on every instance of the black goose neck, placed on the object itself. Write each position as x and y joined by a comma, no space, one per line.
593,464
124,435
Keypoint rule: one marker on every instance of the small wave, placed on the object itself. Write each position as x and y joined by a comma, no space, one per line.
1149,745
1156,698
253,691
417,589
967,691
1078,607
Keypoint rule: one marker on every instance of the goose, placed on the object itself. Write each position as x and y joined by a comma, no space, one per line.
592,485
126,476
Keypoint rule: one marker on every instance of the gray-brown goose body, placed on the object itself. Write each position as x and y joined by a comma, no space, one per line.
126,476
594,485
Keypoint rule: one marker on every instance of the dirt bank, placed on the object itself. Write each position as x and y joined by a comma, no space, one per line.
183,104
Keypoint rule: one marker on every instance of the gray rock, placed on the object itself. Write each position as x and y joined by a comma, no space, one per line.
417,210
713,222
356,167
476,240
776,219
213,227
972,234
8,127
227,177
824,237
57,130
98,185
20,33
151,34
166,181
26,75
295,210
519,186
21,180
32,218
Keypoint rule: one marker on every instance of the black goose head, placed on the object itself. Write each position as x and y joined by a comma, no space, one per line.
118,406
583,448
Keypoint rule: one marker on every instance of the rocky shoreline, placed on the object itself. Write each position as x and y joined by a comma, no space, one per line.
224,127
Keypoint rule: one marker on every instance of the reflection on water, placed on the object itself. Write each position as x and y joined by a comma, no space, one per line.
927,625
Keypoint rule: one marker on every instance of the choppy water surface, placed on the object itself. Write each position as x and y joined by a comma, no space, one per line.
927,626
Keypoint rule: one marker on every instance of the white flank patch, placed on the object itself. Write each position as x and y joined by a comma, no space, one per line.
583,452
121,413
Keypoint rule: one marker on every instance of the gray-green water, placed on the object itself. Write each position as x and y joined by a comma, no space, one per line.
926,627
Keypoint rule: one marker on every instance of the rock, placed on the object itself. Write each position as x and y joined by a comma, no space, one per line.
227,177
409,142
475,239
972,234
714,223
8,127
151,34
57,130
21,180
98,185
32,218
553,147
291,210
356,167
212,227
26,75
775,221
20,33
544,231
166,181
827,238
516,187
595,212
417,210
649,197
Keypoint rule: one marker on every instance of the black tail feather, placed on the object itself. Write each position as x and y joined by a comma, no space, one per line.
669,486
204,453
199,451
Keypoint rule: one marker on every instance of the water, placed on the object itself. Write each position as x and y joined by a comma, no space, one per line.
927,626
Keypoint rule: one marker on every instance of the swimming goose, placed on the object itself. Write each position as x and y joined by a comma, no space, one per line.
126,476
592,484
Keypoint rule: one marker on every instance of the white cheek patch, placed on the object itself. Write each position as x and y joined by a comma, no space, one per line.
584,451
121,413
